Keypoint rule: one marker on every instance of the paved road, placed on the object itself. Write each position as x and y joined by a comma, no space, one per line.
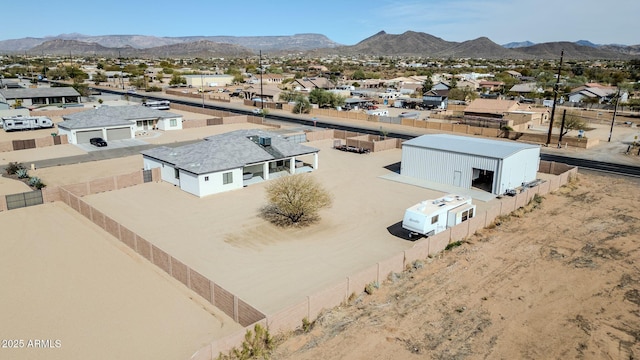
103,154
292,118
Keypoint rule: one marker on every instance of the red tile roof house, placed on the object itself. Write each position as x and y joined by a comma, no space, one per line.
491,85
497,113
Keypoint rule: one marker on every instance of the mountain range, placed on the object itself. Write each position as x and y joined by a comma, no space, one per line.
409,43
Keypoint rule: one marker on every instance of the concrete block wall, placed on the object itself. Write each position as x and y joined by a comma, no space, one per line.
356,283
419,251
438,242
288,318
319,135
327,299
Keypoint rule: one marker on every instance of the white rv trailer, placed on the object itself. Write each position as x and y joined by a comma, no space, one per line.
430,217
158,104
15,123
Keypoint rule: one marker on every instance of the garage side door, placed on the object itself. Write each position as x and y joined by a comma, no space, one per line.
84,136
118,134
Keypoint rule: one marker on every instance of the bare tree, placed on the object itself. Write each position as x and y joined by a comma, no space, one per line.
295,200
571,122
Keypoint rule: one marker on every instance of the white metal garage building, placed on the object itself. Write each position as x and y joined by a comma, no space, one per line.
466,162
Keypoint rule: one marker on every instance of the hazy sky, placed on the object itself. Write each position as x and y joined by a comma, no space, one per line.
346,22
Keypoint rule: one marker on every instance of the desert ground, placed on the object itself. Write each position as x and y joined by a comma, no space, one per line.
270,267
65,279
560,281
514,291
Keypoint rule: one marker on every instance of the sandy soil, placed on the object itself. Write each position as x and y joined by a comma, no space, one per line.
559,282
68,280
231,245
11,186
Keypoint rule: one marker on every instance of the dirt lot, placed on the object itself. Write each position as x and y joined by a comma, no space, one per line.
559,282
65,279
264,265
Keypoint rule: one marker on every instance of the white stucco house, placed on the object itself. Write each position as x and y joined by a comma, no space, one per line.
230,161
116,123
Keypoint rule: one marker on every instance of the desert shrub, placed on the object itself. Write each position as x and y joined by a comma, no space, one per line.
36,183
307,325
453,245
257,344
22,173
13,168
294,200
371,287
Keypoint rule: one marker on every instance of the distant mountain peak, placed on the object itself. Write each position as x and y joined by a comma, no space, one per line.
587,43
515,45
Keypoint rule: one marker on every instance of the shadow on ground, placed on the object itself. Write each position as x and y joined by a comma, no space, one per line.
395,167
398,231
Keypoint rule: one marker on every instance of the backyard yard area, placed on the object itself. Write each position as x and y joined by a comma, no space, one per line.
71,283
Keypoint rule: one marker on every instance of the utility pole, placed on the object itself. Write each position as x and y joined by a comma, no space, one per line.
564,114
615,110
261,71
555,98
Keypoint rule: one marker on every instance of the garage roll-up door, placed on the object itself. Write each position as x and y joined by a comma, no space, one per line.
118,134
84,136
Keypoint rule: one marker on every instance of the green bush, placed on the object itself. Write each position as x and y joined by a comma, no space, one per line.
22,173
257,344
13,168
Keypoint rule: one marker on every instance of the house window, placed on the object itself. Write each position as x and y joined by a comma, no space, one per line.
227,178
176,172
173,122
206,178
434,219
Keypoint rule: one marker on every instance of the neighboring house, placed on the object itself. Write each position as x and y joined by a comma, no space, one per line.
514,74
116,123
596,91
272,79
499,112
468,83
491,85
494,108
229,161
40,96
526,88
409,89
310,83
265,92
441,86
434,100
198,81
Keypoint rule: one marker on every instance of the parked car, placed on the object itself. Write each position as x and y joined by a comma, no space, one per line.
99,142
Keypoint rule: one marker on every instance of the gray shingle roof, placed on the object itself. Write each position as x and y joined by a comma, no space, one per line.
38,92
469,145
112,116
228,151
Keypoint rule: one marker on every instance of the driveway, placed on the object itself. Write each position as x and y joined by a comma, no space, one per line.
112,144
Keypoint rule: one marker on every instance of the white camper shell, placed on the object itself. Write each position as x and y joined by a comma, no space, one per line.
16,123
430,217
